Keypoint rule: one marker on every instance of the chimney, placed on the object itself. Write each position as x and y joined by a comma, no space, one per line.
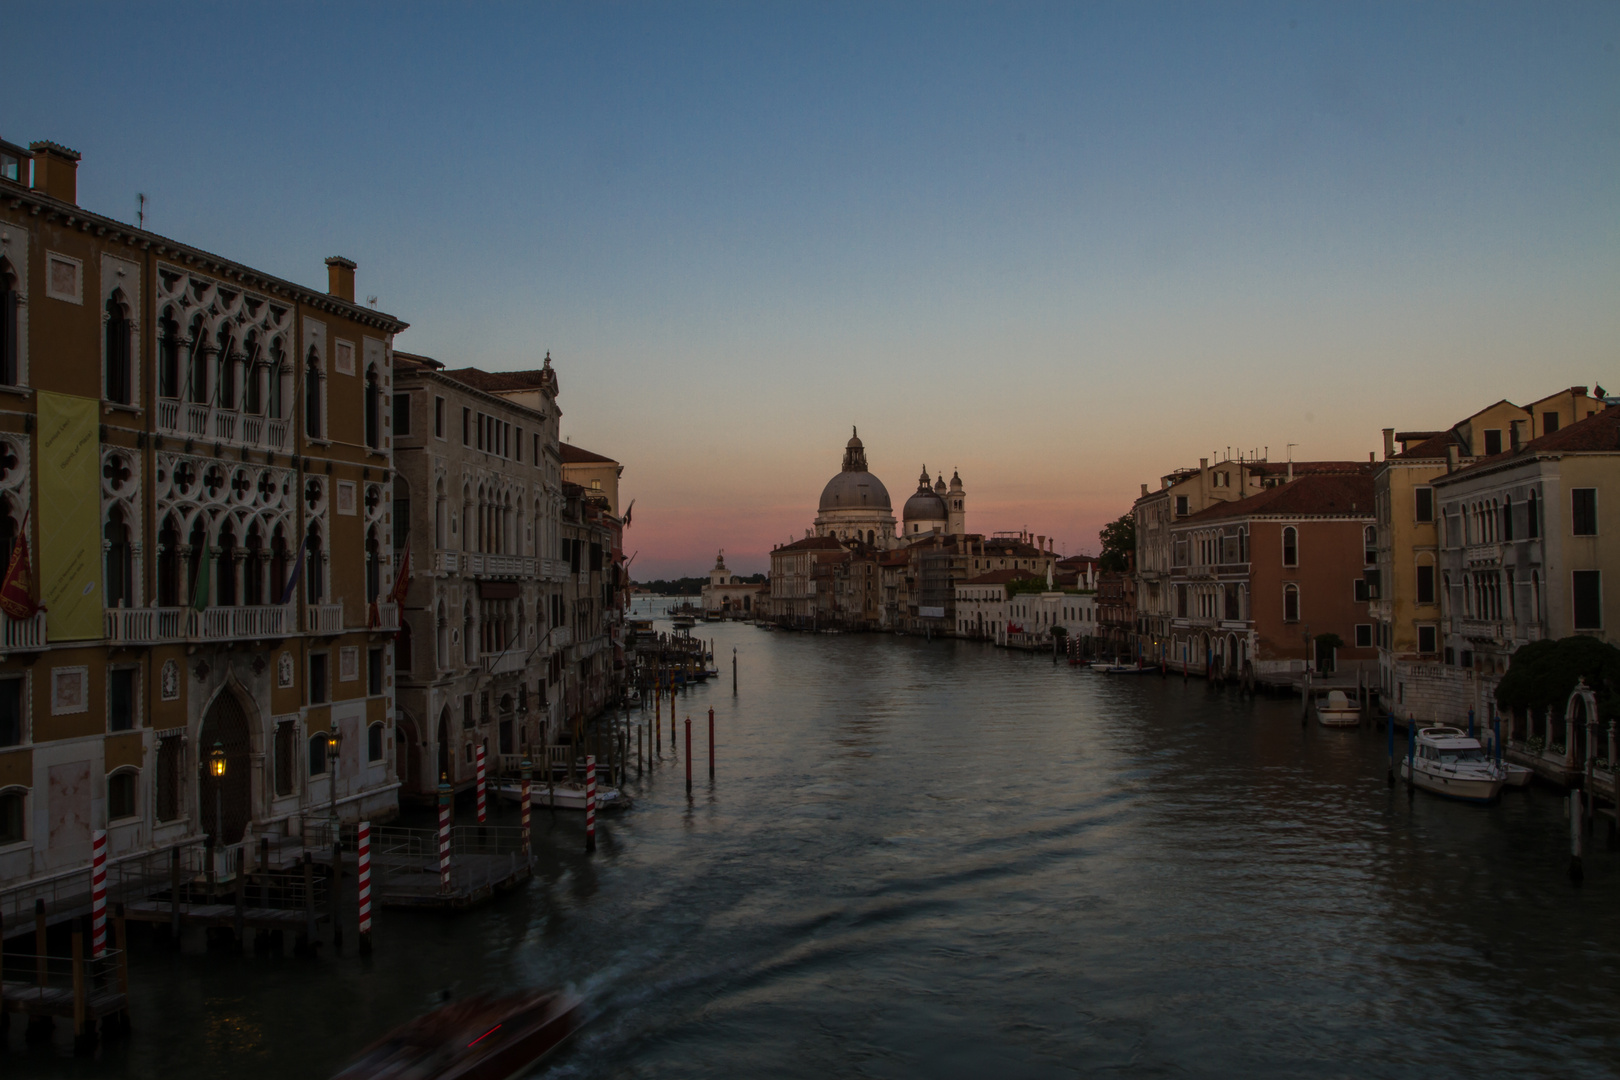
1040,542
1144,491
1203,463
56,171
1372,458
340,278
1389,443
1451,458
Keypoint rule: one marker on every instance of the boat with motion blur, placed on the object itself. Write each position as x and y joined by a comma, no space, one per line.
1447,762
562,795
484,1037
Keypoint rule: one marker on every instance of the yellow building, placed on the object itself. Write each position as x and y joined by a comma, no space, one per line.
1406,590
201,453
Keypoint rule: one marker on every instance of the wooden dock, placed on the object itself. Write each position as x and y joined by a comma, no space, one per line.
90,992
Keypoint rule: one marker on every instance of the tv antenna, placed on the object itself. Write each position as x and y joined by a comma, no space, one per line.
140,210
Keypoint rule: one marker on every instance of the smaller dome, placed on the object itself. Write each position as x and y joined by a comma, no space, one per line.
924,506
939,486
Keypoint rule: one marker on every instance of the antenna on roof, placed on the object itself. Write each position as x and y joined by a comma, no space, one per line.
140,210
371,302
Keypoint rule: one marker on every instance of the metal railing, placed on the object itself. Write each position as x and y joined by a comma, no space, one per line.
132,877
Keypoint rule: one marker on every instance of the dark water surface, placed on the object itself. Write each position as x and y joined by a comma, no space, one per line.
945,860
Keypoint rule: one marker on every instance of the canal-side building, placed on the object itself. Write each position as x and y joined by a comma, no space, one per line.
794,579
1527,537
727,595
1405,589
588,674
1258,583
198,456
593,472
485,626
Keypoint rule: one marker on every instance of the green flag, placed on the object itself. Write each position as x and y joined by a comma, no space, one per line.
199,588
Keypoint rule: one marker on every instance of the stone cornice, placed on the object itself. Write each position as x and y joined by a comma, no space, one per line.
70,216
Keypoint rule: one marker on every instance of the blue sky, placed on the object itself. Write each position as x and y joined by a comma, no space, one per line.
1065,248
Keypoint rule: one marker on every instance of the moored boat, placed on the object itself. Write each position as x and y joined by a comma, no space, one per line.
1447,762
562,796
1335,708
477,1038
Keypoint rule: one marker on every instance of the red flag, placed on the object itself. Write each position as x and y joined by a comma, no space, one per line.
17,590
402,583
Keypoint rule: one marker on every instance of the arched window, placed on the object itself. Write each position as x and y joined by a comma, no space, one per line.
8,528
278,568
169,563
469,641
1535,595
1369,544
442,639
312,395
373,410
275,380
225,574
317,755
402,646
225,363
1507,518
120,574
1290,546
314,568
168,355
1532,527
441,519
253,567
1291,603
199,552
374,742
121,788
10,325
252,375
197,364
117,349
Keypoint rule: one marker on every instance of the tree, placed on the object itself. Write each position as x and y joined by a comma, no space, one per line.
1118,541
1544,673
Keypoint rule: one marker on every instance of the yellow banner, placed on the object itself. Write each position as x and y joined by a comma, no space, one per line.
70,516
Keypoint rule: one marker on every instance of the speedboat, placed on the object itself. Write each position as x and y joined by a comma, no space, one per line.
477,1038
562,796
1449,763
1335,708
1518,776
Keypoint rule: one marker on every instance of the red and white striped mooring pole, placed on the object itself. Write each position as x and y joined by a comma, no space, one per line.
365,888
528,779
98,894
444,835
480,785
590,803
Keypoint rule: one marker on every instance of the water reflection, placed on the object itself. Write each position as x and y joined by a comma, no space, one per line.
942,859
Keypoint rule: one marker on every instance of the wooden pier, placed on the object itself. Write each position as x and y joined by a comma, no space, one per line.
89,991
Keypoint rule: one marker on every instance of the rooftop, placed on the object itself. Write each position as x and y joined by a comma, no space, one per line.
1330,494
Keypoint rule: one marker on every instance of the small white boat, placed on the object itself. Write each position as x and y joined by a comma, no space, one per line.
1447,762
1114,667
1518,776
1335,708
562,796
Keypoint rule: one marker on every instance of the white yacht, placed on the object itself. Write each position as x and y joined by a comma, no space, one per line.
561,795
1447,762
1335,708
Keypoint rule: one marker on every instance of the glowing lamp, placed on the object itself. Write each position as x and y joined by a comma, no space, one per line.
216,761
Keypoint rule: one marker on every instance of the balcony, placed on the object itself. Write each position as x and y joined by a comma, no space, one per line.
323,618
446,562
500,566
22,635
385,617
1482,555
1481,630
553,570
191,420
505,663
238,623
562,637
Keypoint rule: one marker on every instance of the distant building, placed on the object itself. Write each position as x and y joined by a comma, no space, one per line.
727,594
593,472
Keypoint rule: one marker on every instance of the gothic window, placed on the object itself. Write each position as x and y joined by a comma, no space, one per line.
1290,546
168,355
314,568
442,639
197,365
1533,517
276,380
8,528
373,410
120,573
169,563
278,567
286,734
225,575
253,567
10,325
225,363
252,375
312,395
117,349
199,551
373,566
469,645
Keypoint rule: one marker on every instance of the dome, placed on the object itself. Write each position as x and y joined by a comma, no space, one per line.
924,506
855,490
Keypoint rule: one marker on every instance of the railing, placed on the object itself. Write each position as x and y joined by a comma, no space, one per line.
501,565
1481,554
387,619
133,877
323,618
447,562
196,420
132,626
22,635
505,663
1480,630
259,621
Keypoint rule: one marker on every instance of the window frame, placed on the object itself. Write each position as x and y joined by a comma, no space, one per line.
1287,559
1369,643
133,775
23,796
400,420
1577,512
1419,516
1434,639
1596,576
323,685
134,672
1291,589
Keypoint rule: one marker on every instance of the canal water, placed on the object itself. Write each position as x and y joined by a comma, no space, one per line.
940,859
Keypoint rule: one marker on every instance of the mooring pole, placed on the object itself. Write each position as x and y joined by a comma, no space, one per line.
40,967
479,756
1389,726
711,742
1411,757
1575,872
590,804
689,755
98,894
444,834
734,671
528,778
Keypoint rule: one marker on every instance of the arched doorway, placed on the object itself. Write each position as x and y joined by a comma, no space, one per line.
226,724
409,744
444,745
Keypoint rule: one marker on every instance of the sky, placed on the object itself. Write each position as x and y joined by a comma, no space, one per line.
1062,248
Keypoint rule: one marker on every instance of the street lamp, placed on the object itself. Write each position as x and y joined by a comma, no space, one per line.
216,769
333,741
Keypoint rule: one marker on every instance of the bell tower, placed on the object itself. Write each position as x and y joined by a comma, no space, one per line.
955,506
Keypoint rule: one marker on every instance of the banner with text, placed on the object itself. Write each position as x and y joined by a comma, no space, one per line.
70,516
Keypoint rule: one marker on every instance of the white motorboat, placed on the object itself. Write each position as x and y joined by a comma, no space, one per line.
562,795
1518,776
1335,708
1449,763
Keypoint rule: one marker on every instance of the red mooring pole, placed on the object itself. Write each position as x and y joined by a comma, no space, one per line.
98,894
528,778
711,743
480,785
590,803
444,835
364,888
